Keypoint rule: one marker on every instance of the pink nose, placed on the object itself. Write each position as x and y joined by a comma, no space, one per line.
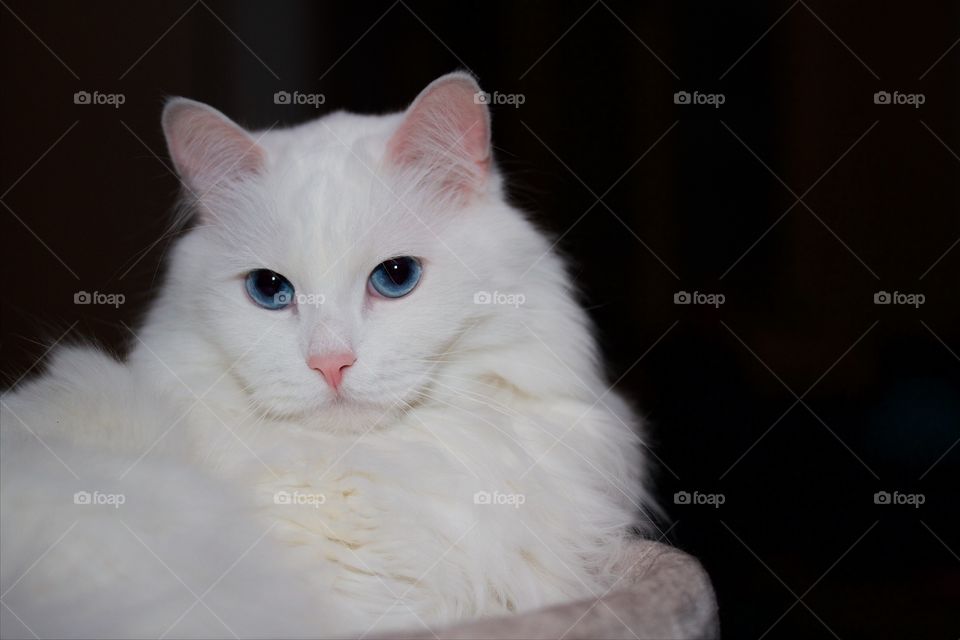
332,366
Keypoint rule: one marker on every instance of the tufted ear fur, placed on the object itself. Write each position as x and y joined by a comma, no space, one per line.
445,135
207,148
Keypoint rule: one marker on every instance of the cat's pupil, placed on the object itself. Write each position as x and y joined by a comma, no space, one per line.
268,282
398,270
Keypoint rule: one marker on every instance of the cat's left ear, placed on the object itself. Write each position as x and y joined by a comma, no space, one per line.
445,136
207,148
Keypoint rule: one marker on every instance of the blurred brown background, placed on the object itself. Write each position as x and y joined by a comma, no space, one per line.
694,198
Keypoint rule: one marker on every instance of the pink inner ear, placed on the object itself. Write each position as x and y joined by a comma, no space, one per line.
446,132
208,148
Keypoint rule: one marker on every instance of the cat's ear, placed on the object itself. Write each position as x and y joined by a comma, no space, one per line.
207,148
445,136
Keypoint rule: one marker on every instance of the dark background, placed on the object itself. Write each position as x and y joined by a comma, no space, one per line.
691,189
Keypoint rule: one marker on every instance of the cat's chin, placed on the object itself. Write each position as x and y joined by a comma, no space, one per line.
342,416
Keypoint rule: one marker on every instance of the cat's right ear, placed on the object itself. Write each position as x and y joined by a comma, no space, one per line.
207,148
444,137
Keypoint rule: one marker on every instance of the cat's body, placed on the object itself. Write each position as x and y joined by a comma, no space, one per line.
470,462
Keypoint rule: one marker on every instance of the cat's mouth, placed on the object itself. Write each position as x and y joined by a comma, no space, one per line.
343,414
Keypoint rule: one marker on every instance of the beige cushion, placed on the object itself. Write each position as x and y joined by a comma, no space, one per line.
664,593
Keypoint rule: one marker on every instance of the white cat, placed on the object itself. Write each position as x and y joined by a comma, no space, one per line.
364,400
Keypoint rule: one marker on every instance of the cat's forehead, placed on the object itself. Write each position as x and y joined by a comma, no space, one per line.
329,142
335,158
330,196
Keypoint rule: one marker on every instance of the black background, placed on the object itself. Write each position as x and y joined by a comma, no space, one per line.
691,189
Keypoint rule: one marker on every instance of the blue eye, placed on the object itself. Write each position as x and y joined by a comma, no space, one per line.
269,289
396,277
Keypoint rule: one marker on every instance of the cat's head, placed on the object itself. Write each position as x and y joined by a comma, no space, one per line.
336,265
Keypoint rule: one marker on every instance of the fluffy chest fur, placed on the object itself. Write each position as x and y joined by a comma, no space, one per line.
479,502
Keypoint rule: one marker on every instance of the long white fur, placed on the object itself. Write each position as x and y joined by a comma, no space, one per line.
214,412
